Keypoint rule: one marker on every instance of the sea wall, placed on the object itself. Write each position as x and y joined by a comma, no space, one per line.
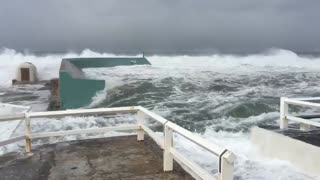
75,89
274,145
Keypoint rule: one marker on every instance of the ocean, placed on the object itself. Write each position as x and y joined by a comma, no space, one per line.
219,97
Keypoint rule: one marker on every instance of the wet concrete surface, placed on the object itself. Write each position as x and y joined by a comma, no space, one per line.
120,158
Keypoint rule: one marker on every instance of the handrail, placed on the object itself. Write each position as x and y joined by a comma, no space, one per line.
154,136
225,157
12,117
285,116
50,114
153,115
301,102
12,140
15,116
307,98
192,167
305,121
198,140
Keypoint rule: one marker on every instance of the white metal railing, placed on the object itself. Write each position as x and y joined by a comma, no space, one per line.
13,111
226,157
4,105
285,116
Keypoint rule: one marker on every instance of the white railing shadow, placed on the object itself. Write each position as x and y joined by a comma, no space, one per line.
226,157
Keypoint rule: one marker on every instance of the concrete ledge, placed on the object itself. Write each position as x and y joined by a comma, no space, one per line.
75,89
105,158
274,145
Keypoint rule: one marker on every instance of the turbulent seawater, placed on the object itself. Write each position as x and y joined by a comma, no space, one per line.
219,97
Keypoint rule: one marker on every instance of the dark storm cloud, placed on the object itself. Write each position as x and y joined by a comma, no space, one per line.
160,26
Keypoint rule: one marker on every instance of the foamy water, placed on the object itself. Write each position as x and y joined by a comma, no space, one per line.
219,97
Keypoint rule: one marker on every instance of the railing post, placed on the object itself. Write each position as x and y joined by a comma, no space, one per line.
226,165
28,134
283,113
140,122
168,143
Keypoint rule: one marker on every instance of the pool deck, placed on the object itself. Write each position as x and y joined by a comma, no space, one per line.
105,158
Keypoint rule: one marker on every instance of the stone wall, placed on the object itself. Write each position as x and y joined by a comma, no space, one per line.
55,95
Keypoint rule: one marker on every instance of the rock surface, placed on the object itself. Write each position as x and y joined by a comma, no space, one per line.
106,158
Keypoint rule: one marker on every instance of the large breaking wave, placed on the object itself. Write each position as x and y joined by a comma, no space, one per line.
49,64
220,97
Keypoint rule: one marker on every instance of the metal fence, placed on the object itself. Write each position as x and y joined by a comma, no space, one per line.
226,157
304,120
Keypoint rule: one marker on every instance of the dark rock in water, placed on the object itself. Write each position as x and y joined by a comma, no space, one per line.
55,95
249,109
131,93
107,158
47,86
222,87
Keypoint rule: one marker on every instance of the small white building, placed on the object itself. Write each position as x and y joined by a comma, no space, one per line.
26,72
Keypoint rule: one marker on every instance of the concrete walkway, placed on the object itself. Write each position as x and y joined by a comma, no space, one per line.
107,158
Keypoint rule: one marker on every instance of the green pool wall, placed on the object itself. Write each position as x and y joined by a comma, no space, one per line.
75,89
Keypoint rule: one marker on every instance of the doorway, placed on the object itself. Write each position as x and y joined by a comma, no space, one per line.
25,74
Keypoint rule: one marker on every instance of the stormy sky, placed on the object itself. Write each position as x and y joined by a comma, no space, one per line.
160,26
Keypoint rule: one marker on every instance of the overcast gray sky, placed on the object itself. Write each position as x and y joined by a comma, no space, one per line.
160,26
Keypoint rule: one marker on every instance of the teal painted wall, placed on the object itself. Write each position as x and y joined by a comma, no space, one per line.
76,93
107,62
75,89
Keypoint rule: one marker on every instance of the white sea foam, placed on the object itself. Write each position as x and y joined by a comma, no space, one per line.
48,65
293,75
98,98
249,164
